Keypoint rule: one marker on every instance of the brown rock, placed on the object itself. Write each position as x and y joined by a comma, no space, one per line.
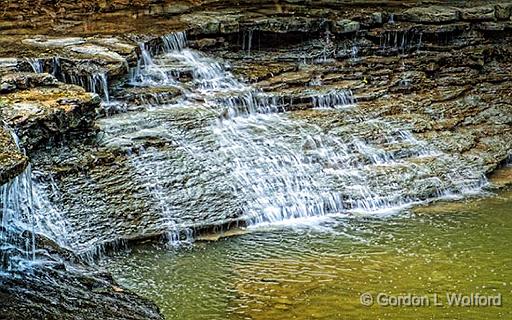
484,13
433,14
502,11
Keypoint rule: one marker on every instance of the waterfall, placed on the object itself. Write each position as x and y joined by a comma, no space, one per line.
250,102
48,219
36,64
279,165
401,40
148,164
247,41
149,74
17,246
176,41
207,149
17,217
391,18
26,211
98,83
334,99
163,70
95,81
354,52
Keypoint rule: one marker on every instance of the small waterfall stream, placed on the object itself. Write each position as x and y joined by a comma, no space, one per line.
27,211
92,81
17,235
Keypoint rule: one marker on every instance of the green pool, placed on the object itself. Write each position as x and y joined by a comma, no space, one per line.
318,269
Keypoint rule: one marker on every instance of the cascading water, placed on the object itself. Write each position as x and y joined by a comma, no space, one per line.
147,73
98,83
140,162
288,168
95,82
334,99
92,81
36,64
247,41
210,150
401,40
17,235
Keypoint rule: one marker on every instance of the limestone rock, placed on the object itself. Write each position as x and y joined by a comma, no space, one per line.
70,293
284,24
346,26
42,112
54,42
23,81
503,10
8,65
433,14
484,13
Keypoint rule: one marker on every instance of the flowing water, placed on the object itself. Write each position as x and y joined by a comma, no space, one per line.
27,211
92,80
286,167
318,268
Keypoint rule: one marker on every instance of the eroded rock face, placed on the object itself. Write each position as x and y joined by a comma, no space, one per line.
68,293
39,108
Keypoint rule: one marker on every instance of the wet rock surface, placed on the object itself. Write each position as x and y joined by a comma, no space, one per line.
12,161
69,293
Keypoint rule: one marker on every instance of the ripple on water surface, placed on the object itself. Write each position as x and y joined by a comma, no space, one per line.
319,272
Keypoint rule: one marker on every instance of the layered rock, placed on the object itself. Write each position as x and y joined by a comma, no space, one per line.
39,108
441,72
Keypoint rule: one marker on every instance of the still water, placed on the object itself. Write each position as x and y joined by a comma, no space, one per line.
318,269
